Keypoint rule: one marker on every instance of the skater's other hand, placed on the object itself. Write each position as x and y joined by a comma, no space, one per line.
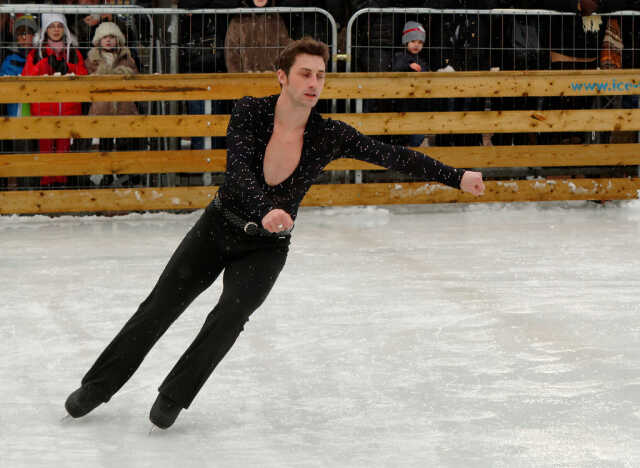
277,221
472,182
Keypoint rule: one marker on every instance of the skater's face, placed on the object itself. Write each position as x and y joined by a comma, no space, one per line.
108,42
415,46
305,81
55,31
260,3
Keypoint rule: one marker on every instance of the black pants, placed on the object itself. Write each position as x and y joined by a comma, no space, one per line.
251,266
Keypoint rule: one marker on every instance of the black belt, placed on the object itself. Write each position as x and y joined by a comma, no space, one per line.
249,227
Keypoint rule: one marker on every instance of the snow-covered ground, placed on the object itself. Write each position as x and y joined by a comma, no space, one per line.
424,336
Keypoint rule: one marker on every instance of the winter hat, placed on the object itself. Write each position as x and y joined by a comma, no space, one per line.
25,21
413,31
46,21
108,29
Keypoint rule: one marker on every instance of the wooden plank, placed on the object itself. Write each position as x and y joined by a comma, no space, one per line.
481,84
626,154
97,200
124,162
495,191
494,121
374,124
137,88
338,85
131,126
152,162
71,201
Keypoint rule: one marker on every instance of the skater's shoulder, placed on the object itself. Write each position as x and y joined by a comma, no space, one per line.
255,108
337,127
257,102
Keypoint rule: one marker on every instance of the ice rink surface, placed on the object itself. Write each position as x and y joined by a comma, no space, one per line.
424,336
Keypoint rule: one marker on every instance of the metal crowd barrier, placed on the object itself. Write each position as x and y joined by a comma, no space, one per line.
470,40
173,40
136,23
499,39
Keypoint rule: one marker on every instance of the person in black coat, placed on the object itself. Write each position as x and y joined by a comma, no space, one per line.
201,50
302,24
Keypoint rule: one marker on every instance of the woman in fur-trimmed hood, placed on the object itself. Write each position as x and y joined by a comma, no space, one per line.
111,56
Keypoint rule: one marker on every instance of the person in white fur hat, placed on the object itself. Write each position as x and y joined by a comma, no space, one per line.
111,56
56,36
55,53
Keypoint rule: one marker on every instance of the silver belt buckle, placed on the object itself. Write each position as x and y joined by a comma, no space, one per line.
250,228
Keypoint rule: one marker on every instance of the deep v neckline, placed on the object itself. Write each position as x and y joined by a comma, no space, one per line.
290,176
312,121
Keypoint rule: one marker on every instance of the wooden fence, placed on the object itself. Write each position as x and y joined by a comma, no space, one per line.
338,86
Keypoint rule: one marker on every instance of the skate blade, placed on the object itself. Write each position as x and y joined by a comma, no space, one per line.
66,418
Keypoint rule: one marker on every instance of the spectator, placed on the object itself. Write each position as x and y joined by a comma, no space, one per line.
574,45
111,56
302,24
413,37
24,30
519,42
55,52
629,25
618,50
5,30
202,36
84,27
202,51
339,11
374,46
254,41
375,36
465,45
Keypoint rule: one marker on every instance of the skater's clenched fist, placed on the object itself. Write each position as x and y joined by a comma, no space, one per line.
277,221
472,182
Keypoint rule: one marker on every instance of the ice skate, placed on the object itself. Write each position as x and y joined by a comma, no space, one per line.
164,412
82,402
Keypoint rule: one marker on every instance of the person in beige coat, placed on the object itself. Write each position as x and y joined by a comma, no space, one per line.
254,41
111,56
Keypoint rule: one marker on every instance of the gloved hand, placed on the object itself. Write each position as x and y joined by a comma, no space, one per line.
73,56
58,66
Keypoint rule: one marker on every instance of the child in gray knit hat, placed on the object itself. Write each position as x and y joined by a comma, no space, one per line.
413,37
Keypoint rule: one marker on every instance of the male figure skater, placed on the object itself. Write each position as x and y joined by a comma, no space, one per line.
277,146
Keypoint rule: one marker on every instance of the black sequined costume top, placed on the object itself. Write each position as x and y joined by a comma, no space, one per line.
245,190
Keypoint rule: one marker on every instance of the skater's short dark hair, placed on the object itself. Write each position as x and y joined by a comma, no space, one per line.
306,45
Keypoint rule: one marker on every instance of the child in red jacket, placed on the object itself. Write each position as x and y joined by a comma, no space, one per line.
55,53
